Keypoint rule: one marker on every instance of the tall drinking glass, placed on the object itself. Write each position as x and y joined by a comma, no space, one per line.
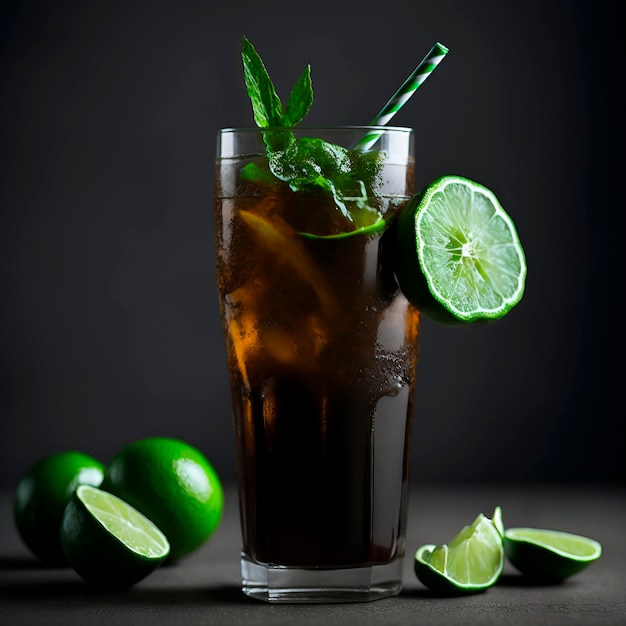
322,351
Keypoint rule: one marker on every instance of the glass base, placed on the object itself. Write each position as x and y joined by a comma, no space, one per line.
273,583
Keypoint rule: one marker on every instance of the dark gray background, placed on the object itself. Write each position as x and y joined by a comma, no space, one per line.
109,318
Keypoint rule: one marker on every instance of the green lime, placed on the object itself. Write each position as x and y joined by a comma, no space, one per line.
107,541
41,496
549,555
459,258
173,484
471,563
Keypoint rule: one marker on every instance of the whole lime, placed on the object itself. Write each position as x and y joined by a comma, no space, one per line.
41,496
173,484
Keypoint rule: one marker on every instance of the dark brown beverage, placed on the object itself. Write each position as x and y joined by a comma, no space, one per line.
322,351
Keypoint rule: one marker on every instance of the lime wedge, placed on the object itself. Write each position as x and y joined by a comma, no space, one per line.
107,541
471,563
459,259
549,555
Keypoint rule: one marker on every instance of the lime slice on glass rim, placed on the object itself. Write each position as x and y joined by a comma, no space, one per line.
107,541
459,258
471,563
549,555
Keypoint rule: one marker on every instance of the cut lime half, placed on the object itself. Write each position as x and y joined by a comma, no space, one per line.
107,541
459,257
549,555
471,563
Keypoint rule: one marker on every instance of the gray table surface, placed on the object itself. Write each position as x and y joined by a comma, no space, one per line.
204,587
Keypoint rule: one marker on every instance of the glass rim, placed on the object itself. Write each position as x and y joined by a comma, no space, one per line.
357,127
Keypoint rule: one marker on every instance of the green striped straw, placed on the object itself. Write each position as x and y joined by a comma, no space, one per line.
406,90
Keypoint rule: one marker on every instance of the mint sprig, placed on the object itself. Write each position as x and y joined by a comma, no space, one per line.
306,164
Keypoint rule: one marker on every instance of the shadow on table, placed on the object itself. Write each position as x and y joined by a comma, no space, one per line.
421,593
224,594
64,590
519,580
65,585
16,563
506,580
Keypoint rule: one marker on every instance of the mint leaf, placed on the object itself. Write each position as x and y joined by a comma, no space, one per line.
266,105
256,174
300,100
312,164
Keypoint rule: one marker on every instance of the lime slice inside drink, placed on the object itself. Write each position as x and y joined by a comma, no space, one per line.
549,555
278,237
371,229
107,541
459,257
471,563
